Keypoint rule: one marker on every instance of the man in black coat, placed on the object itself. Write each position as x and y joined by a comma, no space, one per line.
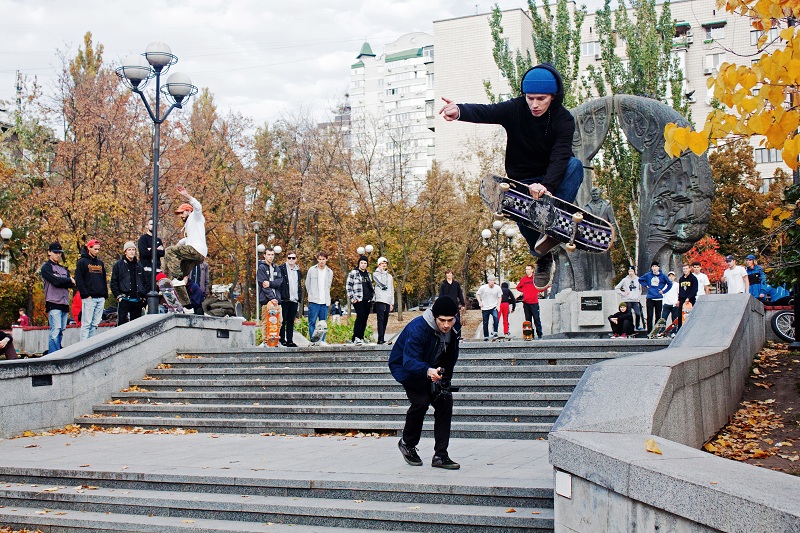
90,279
128,285
291,291
539,131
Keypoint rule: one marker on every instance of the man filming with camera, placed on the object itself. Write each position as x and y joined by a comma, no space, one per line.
422,360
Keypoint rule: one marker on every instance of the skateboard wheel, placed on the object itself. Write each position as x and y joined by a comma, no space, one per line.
505,187
499,216
570,247
577,218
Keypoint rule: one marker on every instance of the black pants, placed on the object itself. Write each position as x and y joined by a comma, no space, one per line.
653,311
621,326
382,310
127,311
289,311
421,399
636,309
362,313
532,315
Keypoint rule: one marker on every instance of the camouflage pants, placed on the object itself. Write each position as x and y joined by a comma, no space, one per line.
179,260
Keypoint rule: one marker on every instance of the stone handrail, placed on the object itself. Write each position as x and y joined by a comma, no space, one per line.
43,393
680,397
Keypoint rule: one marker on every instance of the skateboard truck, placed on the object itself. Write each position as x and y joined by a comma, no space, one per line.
577,218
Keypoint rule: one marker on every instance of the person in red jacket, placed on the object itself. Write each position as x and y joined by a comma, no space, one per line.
530,300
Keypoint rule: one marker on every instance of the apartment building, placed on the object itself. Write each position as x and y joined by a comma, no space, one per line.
705,38
391,99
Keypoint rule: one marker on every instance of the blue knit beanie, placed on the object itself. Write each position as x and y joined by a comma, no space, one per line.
539,81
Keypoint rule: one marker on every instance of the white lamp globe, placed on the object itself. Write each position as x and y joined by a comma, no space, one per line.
486,234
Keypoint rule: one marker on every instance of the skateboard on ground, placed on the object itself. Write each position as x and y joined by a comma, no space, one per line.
527,331
272,323
560,220
500,338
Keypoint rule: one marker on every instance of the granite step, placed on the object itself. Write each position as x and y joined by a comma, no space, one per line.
521,414
486,399
363,514
461,429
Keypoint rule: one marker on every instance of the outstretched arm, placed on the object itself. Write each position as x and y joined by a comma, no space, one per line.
450,111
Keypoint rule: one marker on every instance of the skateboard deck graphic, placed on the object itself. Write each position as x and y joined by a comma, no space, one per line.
563,221
272,323
171,302
527,331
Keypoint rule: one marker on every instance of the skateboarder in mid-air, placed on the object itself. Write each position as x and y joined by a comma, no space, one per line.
538,150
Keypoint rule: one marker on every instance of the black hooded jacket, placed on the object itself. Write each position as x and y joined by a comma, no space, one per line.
127,279
90,276
536,146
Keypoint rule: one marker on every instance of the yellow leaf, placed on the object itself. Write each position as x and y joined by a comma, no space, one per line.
710,447
511,510
651,446
787,33
784,215
776,135
698,142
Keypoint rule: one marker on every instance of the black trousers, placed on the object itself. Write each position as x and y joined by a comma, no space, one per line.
382,310
421,399
653,311
680,310
622,326
362,313
127,311
289,311
532,315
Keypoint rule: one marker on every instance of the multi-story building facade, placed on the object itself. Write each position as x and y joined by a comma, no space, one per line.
705,38
391,99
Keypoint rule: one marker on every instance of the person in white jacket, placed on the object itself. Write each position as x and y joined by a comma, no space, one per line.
631,291
670,305
191,250
384,296
318,285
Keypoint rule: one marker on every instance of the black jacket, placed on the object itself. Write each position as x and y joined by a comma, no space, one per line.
145,246
90,276
453,290
273,275
535,146
687,287
127,279
284,273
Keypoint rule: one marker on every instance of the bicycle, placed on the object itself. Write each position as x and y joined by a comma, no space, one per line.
783,325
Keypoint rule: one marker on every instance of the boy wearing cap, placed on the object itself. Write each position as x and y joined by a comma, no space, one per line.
190,251
756,277
670,301
422,361
735,277
539,131
128,285
384,296
90,279
57,283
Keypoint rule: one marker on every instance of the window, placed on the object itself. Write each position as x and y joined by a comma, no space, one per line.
713,61
5,264
590,49
430,109
715,32
429,76
755,35
768,155
357,84
427,53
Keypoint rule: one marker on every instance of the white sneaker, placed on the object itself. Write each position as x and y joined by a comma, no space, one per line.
323,343
178,282
358,342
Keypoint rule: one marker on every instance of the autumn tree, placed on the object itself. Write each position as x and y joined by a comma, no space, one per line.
706,251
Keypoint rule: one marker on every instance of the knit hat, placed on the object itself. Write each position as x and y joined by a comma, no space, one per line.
383,260
363,258
444,306
621,305
539,81
127,245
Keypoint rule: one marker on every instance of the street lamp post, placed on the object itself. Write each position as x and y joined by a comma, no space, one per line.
497,231
6,235
256,227
135,72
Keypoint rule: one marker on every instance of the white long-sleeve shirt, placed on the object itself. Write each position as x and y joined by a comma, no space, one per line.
194,229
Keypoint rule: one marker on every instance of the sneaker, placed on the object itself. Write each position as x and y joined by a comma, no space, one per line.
543,276
624,335
409,453
290,345
178,282
545,244
323,343
444,462
358,342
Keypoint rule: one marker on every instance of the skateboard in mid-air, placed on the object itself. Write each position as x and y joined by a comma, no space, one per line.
565,222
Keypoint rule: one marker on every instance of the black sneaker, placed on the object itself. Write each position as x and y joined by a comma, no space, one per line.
543,276
290,345
409,453
444,462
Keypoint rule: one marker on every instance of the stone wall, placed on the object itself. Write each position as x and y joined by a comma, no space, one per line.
43,393
680,397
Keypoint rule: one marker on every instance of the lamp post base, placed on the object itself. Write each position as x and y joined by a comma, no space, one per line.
153,298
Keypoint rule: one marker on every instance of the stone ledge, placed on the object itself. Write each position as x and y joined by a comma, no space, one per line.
682,481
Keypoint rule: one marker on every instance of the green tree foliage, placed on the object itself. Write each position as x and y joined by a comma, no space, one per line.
556,40
645,67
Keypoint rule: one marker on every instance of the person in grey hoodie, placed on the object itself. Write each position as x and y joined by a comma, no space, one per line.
318,285
384,296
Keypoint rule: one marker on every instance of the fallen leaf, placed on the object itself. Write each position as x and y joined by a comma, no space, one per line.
84,466
415,507
511,510
710,447
651,446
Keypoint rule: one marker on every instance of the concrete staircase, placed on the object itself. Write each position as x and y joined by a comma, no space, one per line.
510,390
230,478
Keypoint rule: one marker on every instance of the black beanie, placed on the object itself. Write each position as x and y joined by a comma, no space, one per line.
363,258
445,306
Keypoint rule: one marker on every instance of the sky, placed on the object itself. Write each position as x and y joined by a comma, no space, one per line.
263,59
